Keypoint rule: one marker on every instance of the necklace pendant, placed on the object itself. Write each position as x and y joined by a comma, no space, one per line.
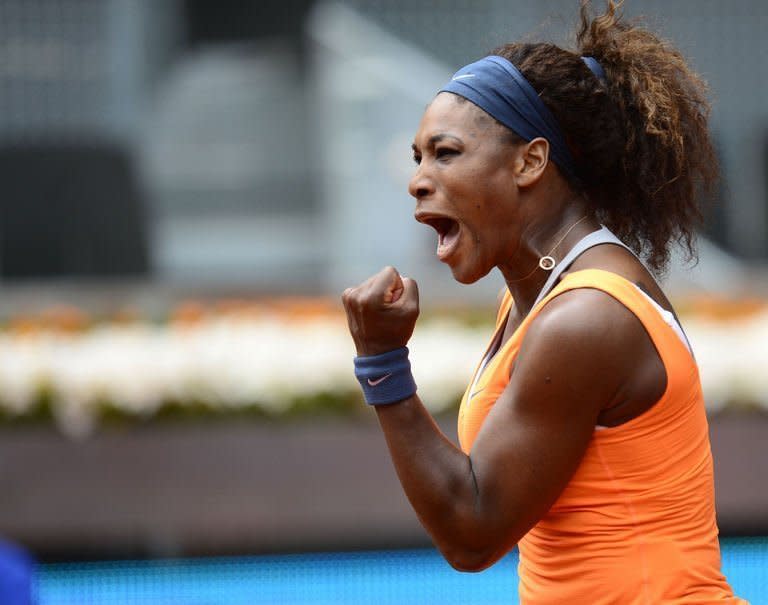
547,263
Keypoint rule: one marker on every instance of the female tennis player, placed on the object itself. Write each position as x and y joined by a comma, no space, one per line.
583,436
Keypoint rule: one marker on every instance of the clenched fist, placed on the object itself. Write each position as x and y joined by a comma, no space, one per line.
382,312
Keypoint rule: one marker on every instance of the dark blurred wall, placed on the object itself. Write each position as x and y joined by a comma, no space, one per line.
233,20
72,81
70,210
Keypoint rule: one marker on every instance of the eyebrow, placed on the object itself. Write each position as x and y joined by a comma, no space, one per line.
436,138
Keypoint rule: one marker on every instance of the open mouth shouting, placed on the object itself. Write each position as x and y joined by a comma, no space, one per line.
448,231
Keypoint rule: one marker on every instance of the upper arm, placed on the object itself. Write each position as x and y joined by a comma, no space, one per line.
570,366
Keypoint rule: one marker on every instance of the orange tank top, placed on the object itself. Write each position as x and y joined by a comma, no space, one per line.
636,523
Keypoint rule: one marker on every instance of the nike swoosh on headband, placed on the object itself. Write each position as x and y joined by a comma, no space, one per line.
373,383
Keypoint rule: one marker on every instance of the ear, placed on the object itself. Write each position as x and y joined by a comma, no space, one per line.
532,160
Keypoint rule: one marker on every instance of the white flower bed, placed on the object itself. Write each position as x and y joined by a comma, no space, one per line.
228,361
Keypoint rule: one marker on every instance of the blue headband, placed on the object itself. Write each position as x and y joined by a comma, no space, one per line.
498,88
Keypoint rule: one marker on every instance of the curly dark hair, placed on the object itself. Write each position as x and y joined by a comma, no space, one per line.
640,140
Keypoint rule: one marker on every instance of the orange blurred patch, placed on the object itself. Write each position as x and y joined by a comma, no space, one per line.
724,309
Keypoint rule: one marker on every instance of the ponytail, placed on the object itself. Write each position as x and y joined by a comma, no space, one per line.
640,137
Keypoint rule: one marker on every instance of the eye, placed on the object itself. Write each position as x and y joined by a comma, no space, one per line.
417,158
445,152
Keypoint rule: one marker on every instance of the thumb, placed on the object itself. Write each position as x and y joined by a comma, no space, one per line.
410,292
394,289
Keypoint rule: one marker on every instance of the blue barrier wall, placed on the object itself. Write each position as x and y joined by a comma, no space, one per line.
370,577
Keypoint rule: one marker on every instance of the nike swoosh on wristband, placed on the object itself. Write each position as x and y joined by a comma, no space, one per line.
461,77
373,383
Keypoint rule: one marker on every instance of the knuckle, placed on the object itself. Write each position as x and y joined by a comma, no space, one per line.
349,295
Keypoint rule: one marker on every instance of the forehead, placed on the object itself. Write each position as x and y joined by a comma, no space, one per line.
450,113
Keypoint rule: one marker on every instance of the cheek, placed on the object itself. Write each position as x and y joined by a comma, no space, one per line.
484,213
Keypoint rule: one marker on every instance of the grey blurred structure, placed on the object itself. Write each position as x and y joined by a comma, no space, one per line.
264,147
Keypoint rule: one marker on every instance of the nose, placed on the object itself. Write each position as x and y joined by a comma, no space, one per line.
420,185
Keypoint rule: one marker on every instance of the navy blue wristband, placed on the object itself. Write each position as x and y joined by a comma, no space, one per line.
385,378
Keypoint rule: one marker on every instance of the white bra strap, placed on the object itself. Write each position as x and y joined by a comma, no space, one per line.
601,236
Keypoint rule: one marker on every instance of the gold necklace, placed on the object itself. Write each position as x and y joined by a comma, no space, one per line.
546,262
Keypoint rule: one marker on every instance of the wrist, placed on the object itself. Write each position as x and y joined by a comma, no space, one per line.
385,377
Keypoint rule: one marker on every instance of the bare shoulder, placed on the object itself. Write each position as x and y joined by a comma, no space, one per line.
586,343
589,316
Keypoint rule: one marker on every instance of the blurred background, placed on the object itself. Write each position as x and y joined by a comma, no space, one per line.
187,186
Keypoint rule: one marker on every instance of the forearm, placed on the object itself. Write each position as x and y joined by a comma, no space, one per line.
440,483
437,477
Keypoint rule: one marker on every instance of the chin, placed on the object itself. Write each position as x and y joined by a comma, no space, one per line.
467,276
464,279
